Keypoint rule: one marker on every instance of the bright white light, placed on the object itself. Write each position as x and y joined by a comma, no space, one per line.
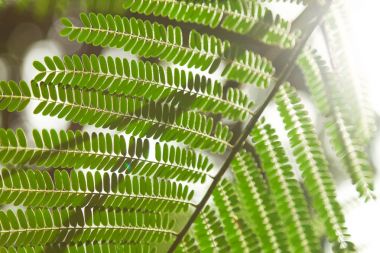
363,219
285,10
365,21
38,51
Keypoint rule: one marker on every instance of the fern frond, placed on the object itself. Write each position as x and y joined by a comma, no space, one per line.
312,163
208,231
261,209
79,189
13,96
104,247
286,190
189,244
146,80
353,156
239,236
68,149
42,226
154,40
312,67
127,114
132,116
239,16
323,88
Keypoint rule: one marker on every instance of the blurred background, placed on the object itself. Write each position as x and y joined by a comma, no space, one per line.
29,31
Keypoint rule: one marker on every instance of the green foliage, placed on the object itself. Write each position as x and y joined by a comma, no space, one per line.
14,97
34,188
239,16
36,226
286,190
208,232
146,80
238,234
167,43
68,149
260,207
131,115
338,124
312,163
132,185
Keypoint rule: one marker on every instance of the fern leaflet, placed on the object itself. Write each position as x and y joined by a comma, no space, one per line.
154,40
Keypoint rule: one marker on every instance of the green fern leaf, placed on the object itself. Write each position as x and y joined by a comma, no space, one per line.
45,226
189,244
13,96
311,70
79,189
342,134
132,116
68,149
154,40
261,210
239,16
290,201
208,231
127,114
313,164
238,234
146,80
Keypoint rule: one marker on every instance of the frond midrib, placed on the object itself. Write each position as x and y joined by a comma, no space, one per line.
85,152
103,193
61,228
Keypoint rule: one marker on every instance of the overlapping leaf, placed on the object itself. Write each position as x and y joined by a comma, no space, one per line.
13,96
239,16
239,235
45,226
208,231
132,116
313,164
333,106
154,40
285,189
68,149
36,188
146,80
221,227
188,244
127,114
260,207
